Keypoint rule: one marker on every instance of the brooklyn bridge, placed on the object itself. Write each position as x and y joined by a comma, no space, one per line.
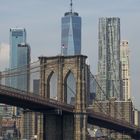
61,119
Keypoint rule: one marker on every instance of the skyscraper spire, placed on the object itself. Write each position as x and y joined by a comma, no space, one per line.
71,32
71,4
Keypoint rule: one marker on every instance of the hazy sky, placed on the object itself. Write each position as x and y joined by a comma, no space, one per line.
42,20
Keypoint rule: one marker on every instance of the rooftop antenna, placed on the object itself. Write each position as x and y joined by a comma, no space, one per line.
71,4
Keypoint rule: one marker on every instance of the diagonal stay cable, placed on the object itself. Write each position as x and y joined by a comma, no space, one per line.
104,92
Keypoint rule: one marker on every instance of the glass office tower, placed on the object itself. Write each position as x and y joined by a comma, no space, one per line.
109,72
71,34
19,58
20,64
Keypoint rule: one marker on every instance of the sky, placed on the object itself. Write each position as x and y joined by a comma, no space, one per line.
42,20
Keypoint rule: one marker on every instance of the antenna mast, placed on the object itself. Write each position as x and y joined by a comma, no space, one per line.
71,8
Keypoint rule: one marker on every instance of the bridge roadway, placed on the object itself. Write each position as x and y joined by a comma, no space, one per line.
37,103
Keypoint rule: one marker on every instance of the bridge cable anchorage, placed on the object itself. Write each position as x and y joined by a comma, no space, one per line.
113,105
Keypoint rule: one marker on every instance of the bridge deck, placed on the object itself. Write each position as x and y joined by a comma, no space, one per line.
34,102
30,101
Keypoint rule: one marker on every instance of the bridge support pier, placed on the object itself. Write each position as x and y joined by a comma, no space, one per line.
80,123
59,127
68,127
50,127
56,127
40,128
53,127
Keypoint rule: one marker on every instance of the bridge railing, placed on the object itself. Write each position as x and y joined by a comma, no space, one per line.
35,97
110,108
107,117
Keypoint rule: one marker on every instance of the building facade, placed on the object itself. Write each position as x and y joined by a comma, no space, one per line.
71,33
20,65
109,73
136,116
125,70
19,60
19,57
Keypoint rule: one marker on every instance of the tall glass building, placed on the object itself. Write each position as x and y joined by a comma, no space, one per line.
71,33
19,63
109,72
19,58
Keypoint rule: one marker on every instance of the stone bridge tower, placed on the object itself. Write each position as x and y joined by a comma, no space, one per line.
56,73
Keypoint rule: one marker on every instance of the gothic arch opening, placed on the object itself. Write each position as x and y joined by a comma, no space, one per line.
52,86
70,88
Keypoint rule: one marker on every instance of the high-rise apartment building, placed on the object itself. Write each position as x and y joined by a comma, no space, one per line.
71,33
125,70
109,73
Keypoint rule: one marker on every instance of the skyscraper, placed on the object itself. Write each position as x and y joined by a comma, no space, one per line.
109,73
20,61
125,69
71,33
19,58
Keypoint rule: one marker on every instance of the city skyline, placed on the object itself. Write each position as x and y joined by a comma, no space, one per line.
41,21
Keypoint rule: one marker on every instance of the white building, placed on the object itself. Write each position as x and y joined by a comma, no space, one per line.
125,68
